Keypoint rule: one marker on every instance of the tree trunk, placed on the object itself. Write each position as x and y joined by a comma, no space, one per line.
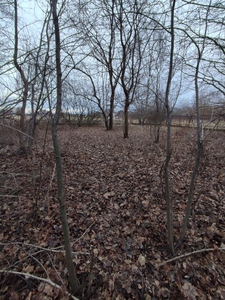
74,283
157,129
105,117
22,136
31,131
169,204
111,111
199,139
73,280
126,123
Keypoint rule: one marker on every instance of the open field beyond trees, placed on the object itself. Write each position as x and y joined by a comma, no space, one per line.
117,216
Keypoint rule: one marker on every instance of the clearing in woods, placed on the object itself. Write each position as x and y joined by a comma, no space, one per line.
116,213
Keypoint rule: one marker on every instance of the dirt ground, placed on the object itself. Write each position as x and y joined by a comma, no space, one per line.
116,212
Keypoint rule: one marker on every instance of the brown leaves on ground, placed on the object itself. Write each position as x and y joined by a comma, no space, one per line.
116,213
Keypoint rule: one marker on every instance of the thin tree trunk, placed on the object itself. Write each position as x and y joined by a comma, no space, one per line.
197,159
126,124
111,109
22,139
40,102
74,284
105,118
199,140
169,204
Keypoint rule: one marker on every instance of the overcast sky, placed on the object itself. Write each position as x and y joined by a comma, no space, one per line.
32,14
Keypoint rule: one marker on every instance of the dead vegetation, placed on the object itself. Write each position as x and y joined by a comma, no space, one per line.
116,212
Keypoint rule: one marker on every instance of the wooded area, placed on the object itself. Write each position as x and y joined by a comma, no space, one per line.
112,149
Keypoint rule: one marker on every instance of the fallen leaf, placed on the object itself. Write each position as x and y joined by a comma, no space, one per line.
141,260
108,194
14,296
189,291
28,269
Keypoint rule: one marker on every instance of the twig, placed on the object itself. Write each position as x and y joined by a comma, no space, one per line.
50,185
188,254
85,232
24,258
9,196
160,150
53,266
48,281
54,250
33,257
8,126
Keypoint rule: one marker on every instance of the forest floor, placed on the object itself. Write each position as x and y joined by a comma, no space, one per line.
117,216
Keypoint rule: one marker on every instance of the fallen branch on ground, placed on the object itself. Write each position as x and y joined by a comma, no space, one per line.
188,254
48,281
54,250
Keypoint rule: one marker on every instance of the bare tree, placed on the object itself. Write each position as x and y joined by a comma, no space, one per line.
150,93
94,91
200,49
39,72
25,90
98,35
131,24
24,80
200,44
169,204
78,108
